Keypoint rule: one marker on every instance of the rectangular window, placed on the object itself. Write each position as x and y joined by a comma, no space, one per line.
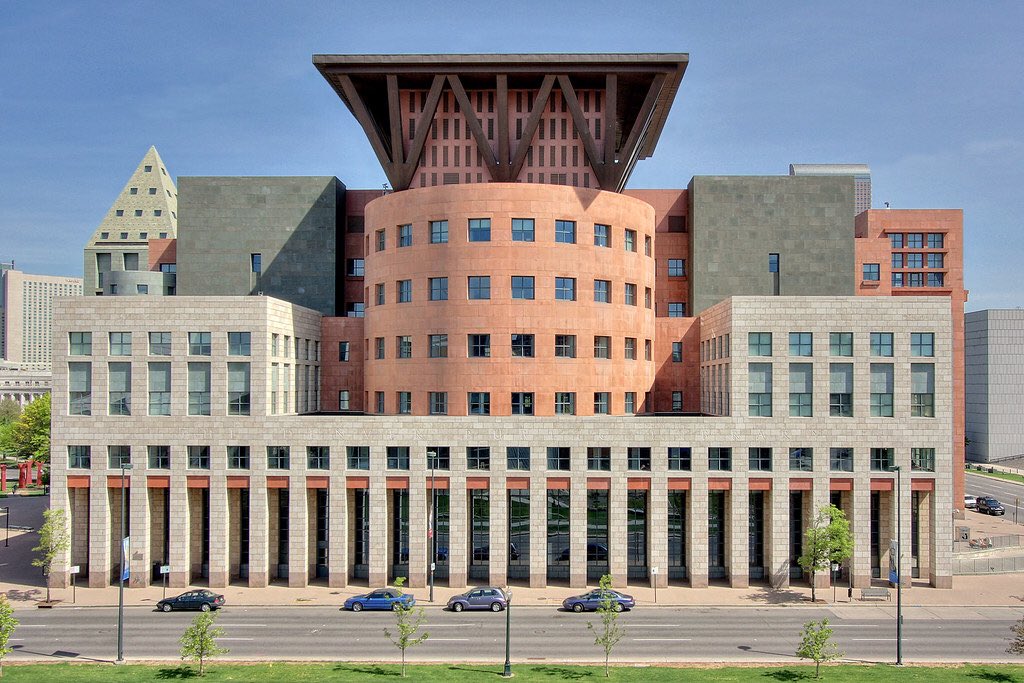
840,459
403,346
404,403
405,235
438,402
479,229
759,459
935,240
379,398
759,343
922,459
159,343
897,279
603,291
676,309
198,388
79,457
256,263
602,347
356,267
647,349
118,456
565,232
773,263
677,352
479,287
629,294
439,458
522,229
760,389
559,457
159,457
238,457
922,344
522,403
379,347
565,288
343,400
881,389
438,232
915,279
80,343
801,344
599,458
871,272
676,267
343,351
318,457
677,401
935,261
518,457
935,279
120,343
629,242
479,345
479,403
922,390
439,346
840,343
438,288
79,389
199,343
897,260
915,240
358,457
404,291
801,459
638,458
896,240
630,348
648,245
565,403
801,397
882,459
647,297
565,345
478,458
629,403
159,388
239,344
522,345
199,457
522,287
381,238
719,459
881,344
278,457
915,260
840,397
679,458
602,402
120,388
239,397
602,235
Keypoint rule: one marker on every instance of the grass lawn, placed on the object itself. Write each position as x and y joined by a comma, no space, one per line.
1009,476
74,673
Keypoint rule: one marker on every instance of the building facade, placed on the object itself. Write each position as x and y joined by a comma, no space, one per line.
993,362
26,316
509,365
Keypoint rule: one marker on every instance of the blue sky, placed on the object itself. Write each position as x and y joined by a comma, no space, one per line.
929,95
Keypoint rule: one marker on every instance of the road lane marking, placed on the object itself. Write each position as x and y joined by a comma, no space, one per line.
222,638
434,640
240,625
661,639
855,625
881,640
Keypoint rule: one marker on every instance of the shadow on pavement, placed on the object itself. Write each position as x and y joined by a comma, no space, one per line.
177,673
367,670
562,672
490,672
772,596
787,675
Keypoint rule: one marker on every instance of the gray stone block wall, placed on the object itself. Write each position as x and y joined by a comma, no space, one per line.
994,369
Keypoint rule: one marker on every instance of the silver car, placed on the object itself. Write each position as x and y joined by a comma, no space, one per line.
481,597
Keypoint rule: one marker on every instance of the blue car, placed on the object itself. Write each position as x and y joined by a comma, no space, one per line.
385,598
592,600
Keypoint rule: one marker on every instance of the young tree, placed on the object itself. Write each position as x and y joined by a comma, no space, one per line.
198,642
408,621
29,438
7,625
54,541
1017,643
9,410
827,540
816,644
609,633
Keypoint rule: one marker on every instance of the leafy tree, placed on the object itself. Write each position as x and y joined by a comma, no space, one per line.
54,540
609,633
827,540
198,642
29,438
1017,643
9,410
408,621
816,644
7,625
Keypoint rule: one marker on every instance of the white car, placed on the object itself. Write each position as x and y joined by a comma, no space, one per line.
970,503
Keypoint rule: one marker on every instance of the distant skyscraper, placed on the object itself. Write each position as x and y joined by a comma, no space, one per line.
861,179
26,312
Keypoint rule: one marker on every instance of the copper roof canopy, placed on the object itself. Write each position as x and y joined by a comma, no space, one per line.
639,88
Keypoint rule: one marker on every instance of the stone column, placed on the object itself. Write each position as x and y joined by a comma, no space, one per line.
259,531
298,531
379,531
860,527
697,532
618,518
738,533
578,531
458,531
657,530
940,554
498,559
337,533
419,512
99,533
220,519
777,533
538,531
180,534
820,499
139,563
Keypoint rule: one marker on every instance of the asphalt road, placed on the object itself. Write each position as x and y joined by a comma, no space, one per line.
539,634
1006,492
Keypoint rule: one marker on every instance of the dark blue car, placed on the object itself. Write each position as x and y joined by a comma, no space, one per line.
592,600
385,598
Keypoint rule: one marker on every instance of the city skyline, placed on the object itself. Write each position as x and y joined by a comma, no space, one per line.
859,84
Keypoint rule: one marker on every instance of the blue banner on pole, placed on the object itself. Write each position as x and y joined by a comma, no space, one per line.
124,553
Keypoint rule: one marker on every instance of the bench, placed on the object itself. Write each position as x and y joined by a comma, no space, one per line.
875,593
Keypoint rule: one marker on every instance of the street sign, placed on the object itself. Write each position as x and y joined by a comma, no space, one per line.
654,570
76,569
432,566
165,569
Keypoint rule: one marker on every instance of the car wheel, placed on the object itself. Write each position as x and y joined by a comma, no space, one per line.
617,607
458,607
205,607
495,606
577,607
165,607
357,607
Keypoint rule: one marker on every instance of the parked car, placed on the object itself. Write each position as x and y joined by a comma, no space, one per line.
202,600
593,599
596,552
385,598
970,503
481,597
990,506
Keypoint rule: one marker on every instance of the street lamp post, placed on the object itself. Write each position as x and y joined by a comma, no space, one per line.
125,466
508,623
835,575
899,568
